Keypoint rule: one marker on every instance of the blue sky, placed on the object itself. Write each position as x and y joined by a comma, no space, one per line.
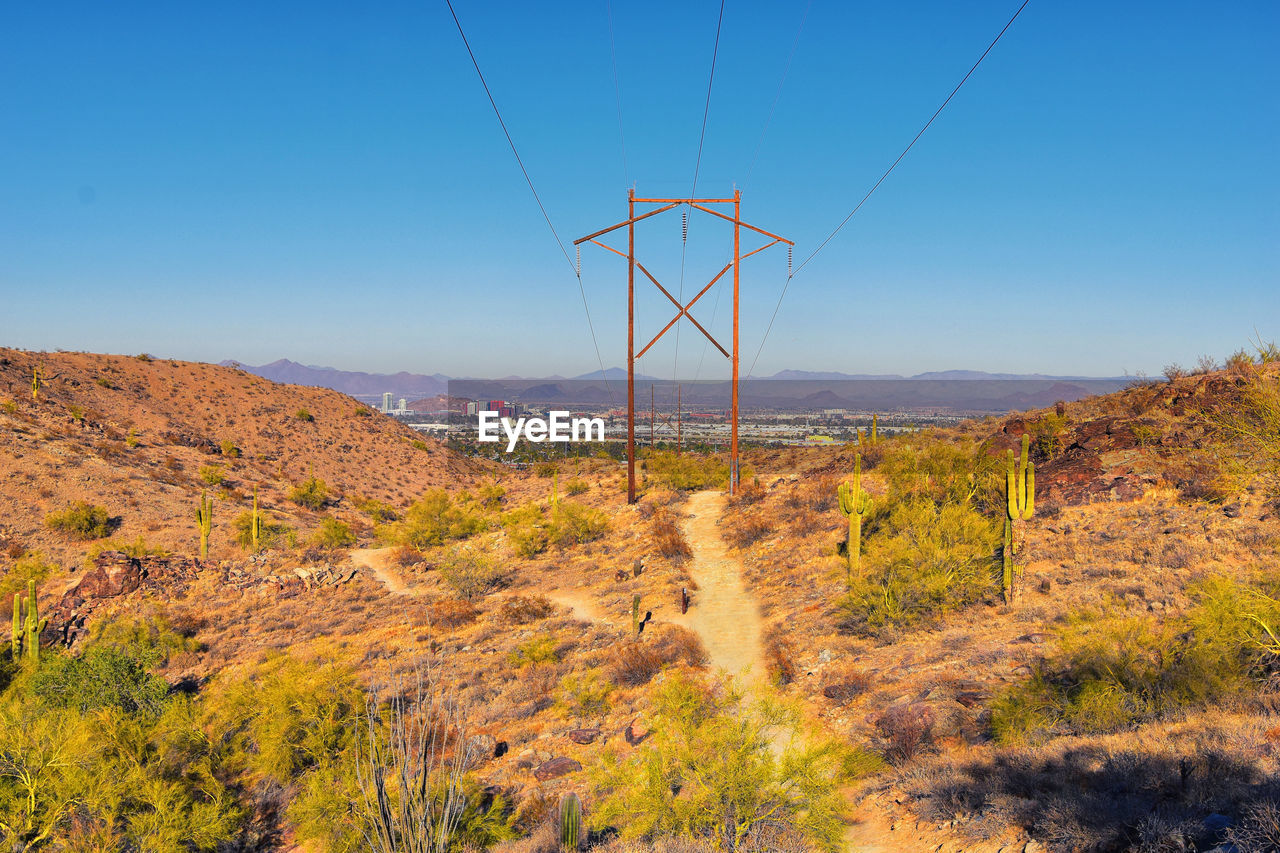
329,184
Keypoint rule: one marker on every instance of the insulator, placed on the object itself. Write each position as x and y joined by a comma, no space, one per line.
684,225
788,262
578,265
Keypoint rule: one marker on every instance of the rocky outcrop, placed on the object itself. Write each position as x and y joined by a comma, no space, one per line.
115,574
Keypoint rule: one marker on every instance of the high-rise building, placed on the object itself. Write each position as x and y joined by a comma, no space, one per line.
386,401
404,405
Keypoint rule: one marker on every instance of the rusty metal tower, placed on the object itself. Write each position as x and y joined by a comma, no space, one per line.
706,206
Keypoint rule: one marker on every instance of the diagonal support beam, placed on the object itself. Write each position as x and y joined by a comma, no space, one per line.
684,309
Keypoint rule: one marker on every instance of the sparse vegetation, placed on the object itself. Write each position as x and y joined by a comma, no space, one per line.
311,493
334,533
433,519
82,520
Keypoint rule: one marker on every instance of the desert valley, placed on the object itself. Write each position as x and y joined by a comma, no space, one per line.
375,640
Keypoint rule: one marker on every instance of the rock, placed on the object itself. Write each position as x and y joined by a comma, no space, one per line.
1034,846
500,749
1231,510
480,748
555,768
1216,823
635,733
825,656
583,736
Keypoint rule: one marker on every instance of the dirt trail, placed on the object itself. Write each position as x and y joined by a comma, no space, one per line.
378,561
723,614
727,619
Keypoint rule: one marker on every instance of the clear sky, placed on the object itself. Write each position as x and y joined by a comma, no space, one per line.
328,183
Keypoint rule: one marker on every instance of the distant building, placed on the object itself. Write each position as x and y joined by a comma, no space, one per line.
404,405
386,401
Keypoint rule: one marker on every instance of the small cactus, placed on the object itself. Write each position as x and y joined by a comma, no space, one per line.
570,822
204,516
1020,505
635,614
875,429
255,522
35,384
854,503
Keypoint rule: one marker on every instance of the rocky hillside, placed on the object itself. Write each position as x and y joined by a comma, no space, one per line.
143,437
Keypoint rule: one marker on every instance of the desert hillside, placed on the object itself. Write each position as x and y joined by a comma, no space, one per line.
693,672
145,436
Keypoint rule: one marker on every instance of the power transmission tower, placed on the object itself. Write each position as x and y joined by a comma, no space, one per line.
707,206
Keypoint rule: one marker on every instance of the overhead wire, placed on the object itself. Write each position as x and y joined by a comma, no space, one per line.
697,167
877,184
777,96
577,272
617,91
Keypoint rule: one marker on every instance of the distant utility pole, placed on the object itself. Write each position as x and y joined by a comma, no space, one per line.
705,205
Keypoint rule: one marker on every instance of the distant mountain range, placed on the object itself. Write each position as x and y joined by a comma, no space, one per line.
355,383
417,385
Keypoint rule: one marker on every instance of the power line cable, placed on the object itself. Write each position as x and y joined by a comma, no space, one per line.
877,184
697,167
576,272
777,96
617,91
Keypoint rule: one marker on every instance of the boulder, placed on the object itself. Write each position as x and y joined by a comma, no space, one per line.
555,768
583,736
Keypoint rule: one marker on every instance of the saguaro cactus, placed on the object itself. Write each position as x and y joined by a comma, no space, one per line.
875,428
35,383
854,503
1020,505
570,822
204,515
28,628
635,614
255,522
16,642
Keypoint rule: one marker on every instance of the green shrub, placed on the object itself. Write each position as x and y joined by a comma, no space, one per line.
380,511
542,649
105,676
526,528
212,474
82,520
433,519
920,466
334,533
137,548
28,567
490,496
719,752
584,694
1112,670
473,574
311,493
229,450
304,416
576,486
920,561
272,534
689,471
574,523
